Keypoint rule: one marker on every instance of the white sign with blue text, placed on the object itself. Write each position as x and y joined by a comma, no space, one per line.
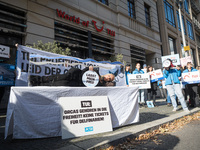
82,116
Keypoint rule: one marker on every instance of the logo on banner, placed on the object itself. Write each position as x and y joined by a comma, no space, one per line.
86,103
88,129
190,77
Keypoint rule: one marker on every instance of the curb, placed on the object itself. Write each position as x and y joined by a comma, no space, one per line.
147,129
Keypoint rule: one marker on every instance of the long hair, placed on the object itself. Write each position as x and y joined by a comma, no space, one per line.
148,68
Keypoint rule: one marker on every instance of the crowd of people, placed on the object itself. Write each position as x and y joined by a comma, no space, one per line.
173,92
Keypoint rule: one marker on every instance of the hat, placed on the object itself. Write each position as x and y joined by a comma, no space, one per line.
144,65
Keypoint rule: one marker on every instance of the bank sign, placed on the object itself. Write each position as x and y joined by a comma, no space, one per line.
85,23
84,115
4,51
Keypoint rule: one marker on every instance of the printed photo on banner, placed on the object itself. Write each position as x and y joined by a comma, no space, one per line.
156,75
185,60
140,80
190,77
175,59
41,68
7,74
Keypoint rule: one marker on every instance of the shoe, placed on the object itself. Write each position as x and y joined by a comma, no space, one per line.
169,105
155,105
175,109
187,111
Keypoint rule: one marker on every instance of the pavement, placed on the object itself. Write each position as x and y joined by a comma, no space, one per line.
150,118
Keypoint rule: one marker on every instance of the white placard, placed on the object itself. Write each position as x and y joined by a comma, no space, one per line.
90,78
141,80
4,51
190,77
175,59
156,75
185,60
84,116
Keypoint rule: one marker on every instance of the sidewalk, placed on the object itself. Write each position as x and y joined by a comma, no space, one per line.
149,118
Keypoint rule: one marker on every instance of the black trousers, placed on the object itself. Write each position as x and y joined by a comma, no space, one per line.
192,90
153,93
163,93
2,90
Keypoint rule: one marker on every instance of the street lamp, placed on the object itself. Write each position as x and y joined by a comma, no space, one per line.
180,2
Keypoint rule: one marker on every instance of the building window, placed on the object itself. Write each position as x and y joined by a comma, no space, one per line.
169,13
137,54
104,1
186,6
190,30
131,8
178,20
172,46
147,15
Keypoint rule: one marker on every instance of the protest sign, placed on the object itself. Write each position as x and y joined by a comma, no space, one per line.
84,116
7,74
175,59
45,66
4,51
156,75
90,78
185,60
141,80
190,77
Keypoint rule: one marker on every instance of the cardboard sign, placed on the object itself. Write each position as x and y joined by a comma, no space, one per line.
84,116
141,80
175,59
190,77
90,78
156,75
185,60
4,51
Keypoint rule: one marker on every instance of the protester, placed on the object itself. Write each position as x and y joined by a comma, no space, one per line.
145,90
192,88
153,89
163,92
172,83
198,68
127,71
141,91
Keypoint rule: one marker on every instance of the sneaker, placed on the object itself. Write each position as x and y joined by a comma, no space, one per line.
175,109
187,111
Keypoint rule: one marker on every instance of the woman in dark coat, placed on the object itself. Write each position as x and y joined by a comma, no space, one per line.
153,89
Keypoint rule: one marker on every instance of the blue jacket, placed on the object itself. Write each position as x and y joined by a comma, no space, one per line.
171,76
192,70
136,71
126,74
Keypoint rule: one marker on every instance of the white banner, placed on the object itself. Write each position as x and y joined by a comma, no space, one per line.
84,116
48,64
185,60
175,59
190,77
4,51
156,75
141,80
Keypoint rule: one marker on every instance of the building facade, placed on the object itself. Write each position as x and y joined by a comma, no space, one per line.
97,29
171,37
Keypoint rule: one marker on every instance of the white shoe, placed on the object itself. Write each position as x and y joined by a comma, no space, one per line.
187,111
175,109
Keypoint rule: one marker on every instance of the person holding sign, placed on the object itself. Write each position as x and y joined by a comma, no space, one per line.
172,83
127,71
192,88
141,91
153,89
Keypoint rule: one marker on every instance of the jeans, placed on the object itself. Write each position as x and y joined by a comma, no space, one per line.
175,90
141,96
168,98
163,93
153,92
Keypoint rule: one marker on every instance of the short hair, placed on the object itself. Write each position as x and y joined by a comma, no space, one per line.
189,63
137,63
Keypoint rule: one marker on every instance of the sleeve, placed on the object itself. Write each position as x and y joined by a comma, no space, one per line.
165,73
178,72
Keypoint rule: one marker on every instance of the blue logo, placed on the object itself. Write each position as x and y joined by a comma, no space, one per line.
1,77
88,129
